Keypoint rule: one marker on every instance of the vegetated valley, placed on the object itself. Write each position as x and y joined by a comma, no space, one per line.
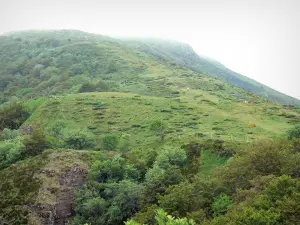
104,131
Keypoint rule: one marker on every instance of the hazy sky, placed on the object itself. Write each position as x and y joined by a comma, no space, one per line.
258,38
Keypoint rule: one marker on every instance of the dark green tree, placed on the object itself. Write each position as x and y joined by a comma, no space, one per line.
110,142
35,143
80,140
159,128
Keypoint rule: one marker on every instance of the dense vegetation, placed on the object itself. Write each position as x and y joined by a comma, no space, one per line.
260,185
142,139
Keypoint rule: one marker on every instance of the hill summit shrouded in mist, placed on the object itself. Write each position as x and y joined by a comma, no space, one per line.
41,55
103,131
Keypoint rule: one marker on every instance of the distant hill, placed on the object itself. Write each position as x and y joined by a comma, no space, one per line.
51,62
184,54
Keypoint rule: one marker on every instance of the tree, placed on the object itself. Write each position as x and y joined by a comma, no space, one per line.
110,142
162,218
111,170
35,143
80,140
158,127
12,115
221,204
87,87
171,156
101,86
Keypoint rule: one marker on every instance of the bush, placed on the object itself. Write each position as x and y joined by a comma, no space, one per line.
34,143
294,132
158,127
80,140
9,134
87,87
171,156
125,143
10,152
162,218
110,142
57,127
221,204
12,115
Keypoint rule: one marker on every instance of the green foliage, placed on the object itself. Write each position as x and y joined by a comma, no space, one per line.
183,55
57,127
34,143
261,158
159,128
171,157
80,139
294,133
10,152
110,142
87,87
165,172
125,143
221,204
189,199
18,188
12,115
8,134
219,147
111,170
111,204
193,151
162,218
147,174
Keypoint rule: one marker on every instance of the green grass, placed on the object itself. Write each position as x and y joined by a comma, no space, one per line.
210,161
186,115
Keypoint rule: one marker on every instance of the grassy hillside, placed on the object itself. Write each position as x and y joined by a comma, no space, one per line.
96,131
190,114
183,54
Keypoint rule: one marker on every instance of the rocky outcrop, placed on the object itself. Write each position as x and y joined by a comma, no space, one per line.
56,199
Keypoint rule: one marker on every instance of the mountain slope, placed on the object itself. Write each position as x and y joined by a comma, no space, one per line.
183,54
89,105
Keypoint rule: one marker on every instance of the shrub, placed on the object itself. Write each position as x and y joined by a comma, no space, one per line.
34,143
87,87
110,142
221,204
57,127
171,156
12,115
10,152
9,134
101,86
158,127
294,132
80,140
162,218
125,143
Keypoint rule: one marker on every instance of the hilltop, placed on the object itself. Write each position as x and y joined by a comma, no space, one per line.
43,63
183,54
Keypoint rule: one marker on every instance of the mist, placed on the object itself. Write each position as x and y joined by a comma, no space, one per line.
257,39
